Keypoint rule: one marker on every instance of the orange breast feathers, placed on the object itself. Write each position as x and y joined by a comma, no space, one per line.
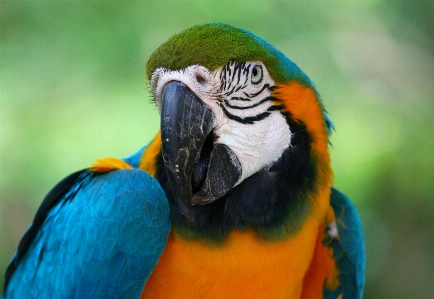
245,266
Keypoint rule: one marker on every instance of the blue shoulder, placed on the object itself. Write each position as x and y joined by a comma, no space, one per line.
100,237
348,248
134,159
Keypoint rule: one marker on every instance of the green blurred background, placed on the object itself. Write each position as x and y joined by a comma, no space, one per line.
72,90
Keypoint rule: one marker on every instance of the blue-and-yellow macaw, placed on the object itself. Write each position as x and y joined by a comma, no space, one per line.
232,198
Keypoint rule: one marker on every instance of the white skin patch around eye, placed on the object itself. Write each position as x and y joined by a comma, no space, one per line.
242,121
256,145
198,78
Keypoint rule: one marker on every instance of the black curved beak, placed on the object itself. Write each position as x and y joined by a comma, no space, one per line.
186,123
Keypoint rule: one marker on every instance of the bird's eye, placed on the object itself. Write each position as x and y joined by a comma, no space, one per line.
256,74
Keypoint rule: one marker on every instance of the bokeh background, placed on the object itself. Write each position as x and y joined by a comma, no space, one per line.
72,90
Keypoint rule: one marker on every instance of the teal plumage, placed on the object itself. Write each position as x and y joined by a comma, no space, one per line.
348,249
100,240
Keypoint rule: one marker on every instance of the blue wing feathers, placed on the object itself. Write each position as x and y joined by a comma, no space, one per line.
50,201
100,240
349,249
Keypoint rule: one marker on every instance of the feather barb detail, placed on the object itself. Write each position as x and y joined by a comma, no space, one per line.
109,164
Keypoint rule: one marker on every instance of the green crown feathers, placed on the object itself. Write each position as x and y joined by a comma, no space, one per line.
215,44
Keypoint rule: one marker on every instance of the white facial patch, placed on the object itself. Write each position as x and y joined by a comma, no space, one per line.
198,78
246,117
256,145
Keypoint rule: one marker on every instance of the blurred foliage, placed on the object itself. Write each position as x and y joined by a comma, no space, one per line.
72,90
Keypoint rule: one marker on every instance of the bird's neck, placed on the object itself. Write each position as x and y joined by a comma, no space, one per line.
273,202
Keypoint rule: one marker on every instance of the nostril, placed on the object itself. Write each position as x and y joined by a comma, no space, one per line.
201,80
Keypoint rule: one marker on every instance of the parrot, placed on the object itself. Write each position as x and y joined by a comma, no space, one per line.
232,198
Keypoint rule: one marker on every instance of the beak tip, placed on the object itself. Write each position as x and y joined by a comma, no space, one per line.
189,216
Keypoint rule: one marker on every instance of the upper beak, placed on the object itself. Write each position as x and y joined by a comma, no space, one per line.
185,124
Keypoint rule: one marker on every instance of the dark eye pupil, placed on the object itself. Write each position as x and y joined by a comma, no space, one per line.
255,72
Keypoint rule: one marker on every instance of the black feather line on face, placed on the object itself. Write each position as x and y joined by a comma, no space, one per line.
228,104
266,86
245,120
230,91
230,78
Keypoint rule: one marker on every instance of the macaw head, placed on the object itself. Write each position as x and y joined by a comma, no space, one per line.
232,106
